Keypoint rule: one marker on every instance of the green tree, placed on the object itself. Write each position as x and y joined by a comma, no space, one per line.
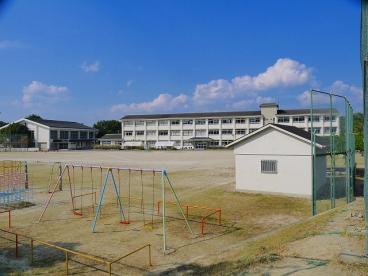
16,135
107,127
2,123
33,117
358,130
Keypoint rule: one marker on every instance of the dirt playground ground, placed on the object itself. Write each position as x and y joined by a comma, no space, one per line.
203,178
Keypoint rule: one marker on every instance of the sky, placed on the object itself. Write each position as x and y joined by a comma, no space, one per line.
90,60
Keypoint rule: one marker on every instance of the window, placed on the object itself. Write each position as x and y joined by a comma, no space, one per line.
283,119
187,132
175,122
91,135
150,123
226,142
317,130
187,122
163,132
151,144
254,120
163,123
128,123
315,118
64,135
268,166
298,119
83,134
240,131
327,118
240,120
227,131
128,133
213,121
214,143
53,134
151,132
139,132
227,121
333,130
200,133
74,135
139,123
200,122
213,132
105,142
175,133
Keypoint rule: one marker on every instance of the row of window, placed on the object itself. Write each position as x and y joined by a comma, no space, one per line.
254,120
74,135
326,130
301,119
198,133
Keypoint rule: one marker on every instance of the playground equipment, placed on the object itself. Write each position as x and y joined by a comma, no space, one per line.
14,182
70,255
114,176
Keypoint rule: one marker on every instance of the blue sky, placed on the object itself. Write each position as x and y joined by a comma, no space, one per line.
91,60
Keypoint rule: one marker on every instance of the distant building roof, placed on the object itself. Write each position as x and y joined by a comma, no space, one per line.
224,114
191,115
111,137
61,124
268,105
305,135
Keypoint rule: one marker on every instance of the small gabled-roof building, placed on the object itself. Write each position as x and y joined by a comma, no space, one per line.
111,139
55,135
277,159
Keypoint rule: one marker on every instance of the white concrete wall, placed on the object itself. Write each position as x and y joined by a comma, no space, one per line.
41,133
293,174
293,157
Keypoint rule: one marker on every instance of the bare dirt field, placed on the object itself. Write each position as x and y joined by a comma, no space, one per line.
203,178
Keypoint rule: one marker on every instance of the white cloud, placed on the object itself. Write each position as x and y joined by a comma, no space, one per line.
284,73
164,102
10,44
354,94
129,83
38,93
246,103
91,67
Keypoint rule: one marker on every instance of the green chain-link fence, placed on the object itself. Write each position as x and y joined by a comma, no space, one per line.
333,151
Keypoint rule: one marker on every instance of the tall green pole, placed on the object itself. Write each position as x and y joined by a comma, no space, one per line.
363,60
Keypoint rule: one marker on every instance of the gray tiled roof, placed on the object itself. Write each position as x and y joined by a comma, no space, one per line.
61,124
114,136
224,114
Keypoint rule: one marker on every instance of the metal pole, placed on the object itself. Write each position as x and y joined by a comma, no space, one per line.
313,149
365,78
163,211
333,164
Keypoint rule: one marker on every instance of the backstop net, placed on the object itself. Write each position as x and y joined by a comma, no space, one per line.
332,150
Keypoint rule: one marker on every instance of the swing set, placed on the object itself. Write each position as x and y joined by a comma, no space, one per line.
107,175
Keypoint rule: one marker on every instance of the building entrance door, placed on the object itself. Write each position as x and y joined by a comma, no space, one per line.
201,145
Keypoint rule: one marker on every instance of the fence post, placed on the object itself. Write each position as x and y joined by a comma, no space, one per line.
26,184
149,254
66,263
9,219
202,226
187,211
16,246
31,251
110,268
219,216
61,179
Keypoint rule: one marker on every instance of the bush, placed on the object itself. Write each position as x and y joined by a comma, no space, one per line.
107,147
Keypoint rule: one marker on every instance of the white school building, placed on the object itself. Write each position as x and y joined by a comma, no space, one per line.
56,135
217,129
